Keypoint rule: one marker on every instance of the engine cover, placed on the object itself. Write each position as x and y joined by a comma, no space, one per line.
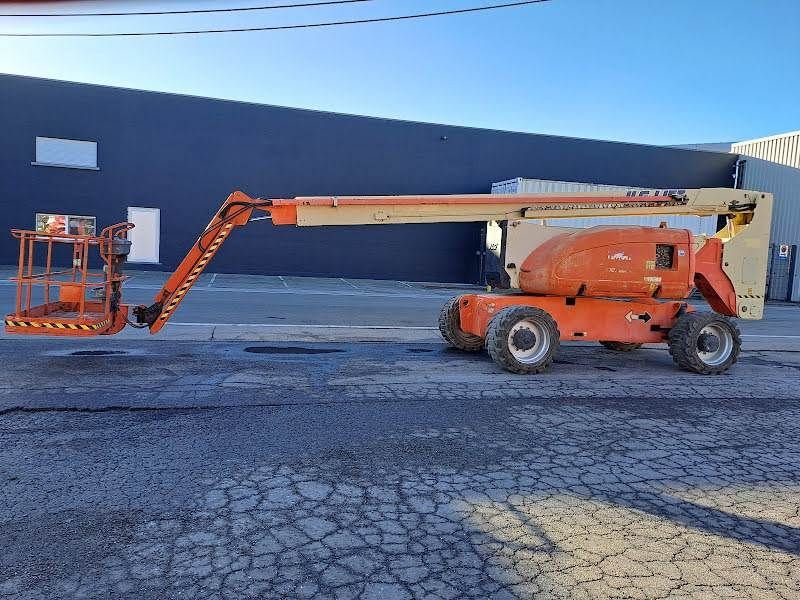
607,261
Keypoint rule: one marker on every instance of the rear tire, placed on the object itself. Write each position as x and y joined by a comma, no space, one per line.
523,339
450,328
705,343
621,346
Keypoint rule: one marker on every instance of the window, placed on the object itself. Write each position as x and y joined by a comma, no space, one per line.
73,154
146,234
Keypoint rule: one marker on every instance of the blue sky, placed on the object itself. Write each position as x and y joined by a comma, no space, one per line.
650,71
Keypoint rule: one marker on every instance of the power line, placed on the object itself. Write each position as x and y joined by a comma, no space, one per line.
460,11
184,12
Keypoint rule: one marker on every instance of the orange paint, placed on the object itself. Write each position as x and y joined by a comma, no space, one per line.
283,214
580,319
619,262
234,212
712,281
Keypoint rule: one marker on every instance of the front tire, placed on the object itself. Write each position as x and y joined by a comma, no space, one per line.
523,339
450,328
705,343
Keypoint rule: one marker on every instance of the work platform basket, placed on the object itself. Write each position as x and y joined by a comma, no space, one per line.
71,301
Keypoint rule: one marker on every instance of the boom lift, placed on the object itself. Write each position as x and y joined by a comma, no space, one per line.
621,286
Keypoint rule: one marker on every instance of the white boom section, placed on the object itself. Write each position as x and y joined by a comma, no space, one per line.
369,210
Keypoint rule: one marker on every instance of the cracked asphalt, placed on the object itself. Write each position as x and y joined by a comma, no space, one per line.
204,470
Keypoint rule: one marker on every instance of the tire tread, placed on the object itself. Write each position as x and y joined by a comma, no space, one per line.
682,342
450,328
497,339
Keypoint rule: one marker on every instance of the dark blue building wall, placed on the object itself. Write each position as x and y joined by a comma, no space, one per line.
185,154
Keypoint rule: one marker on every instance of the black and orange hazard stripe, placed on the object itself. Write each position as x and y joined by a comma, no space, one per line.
196,271
56,325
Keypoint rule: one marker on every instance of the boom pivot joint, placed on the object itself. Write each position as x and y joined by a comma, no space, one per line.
147,315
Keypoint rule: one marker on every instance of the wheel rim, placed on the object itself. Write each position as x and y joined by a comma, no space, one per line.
533,351
714,344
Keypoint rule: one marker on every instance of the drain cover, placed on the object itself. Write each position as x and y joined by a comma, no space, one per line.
97,352
289,350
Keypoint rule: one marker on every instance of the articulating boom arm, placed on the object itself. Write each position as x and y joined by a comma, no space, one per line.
234,212
742,243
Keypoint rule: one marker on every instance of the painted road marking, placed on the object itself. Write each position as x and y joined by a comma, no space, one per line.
307,292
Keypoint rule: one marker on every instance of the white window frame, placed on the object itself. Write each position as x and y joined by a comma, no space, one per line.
157,212
85,167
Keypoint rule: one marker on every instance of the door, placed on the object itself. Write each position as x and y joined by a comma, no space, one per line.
781,271
145,237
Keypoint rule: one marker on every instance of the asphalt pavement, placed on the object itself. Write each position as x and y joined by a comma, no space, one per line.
153,467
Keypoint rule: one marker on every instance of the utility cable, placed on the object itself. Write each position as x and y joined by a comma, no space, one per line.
460,11
186,12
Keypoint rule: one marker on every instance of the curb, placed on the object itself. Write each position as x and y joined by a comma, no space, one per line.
214,332
285,333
